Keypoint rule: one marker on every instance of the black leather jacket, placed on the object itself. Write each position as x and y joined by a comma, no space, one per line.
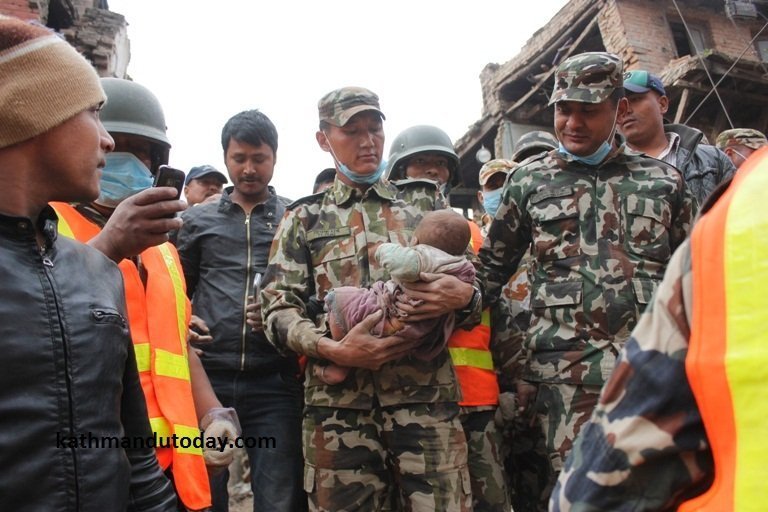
703,166
68,380
221,248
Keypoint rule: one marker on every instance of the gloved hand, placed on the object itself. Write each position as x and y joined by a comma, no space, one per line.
221,424
506,410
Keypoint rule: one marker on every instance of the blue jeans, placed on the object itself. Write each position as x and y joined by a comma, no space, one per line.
270,411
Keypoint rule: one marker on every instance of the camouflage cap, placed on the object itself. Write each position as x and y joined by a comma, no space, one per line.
533,142
741,136
338,106
587,78
494,166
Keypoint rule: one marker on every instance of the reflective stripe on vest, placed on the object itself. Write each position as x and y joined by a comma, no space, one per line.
158,315
727,362
471,355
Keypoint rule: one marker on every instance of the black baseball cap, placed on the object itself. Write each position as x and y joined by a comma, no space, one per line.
202,171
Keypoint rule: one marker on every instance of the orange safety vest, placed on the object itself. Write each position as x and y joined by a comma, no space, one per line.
158,316
727,362
471,353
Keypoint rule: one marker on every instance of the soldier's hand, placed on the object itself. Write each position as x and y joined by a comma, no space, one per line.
506,411
253,315
526,394
438,293
360,349
139,222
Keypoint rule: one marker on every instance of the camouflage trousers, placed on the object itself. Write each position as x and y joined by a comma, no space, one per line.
411,458
562,409
486,469
527,464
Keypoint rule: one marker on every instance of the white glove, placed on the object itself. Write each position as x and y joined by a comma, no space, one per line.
222,425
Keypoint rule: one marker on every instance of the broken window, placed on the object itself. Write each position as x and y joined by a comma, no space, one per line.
685,43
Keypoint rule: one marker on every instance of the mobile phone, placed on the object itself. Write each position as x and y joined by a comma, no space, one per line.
167,176
256,290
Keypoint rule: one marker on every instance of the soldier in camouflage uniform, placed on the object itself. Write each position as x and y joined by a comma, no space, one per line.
740,143
533,143
426,152
601,223
388,436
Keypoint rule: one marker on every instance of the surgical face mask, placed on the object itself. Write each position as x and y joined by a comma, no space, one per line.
360,179
601,152
593,159
123,176
492,201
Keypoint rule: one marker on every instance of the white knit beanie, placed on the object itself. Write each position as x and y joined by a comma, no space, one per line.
43,81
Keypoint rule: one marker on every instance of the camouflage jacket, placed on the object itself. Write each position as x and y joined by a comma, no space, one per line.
645,447
600,238
329,240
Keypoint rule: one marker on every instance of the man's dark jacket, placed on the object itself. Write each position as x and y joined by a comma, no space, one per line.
702,165
221,248
69,388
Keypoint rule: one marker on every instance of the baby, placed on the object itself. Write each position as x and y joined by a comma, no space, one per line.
439,245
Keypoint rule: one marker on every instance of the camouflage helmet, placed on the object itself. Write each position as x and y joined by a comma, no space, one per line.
741,136
533,143
338,106
132,108
587,78
420,139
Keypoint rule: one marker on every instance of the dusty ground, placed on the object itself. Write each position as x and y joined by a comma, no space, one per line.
244,505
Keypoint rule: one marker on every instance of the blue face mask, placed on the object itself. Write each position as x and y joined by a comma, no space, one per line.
593,159
123,176
492,201
360,179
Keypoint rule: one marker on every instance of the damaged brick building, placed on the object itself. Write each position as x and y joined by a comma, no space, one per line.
690,44
98,33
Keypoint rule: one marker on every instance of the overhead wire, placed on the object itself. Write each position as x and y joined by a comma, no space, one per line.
704,66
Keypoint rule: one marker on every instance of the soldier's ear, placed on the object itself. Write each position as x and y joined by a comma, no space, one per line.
322,141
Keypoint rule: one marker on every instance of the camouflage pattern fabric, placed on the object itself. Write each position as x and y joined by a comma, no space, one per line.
588,77
741,136
668,460
325,241
486,468
562,409
425,442
526,459
338,106
599,238
527,463
533,142
494,167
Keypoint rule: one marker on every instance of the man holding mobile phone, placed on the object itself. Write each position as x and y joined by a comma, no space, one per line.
223,245
129,222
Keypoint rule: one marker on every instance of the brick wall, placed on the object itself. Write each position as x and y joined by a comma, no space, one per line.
639,31
24,9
